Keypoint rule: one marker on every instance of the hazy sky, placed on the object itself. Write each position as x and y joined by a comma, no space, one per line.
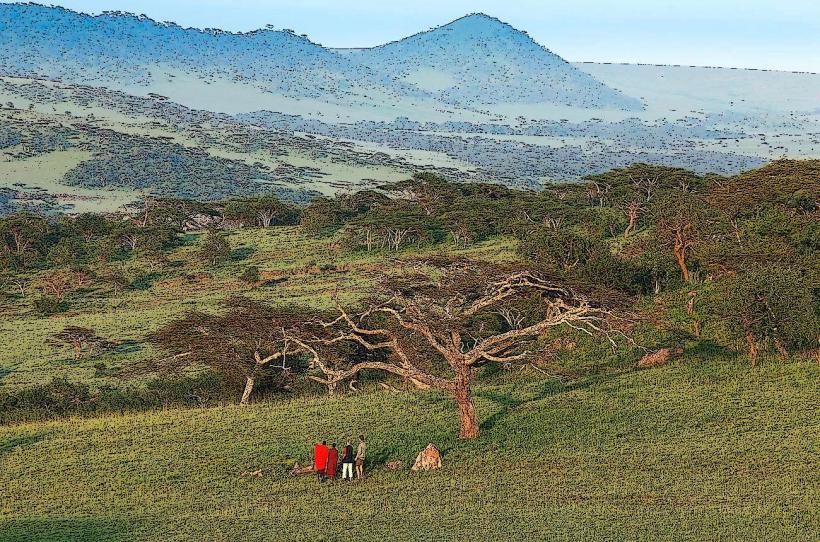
774,34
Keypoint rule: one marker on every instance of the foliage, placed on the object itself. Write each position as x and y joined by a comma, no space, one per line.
216,249
769,306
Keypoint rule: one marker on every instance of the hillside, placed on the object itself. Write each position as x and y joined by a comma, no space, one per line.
280,70
684,412
696,451
478,60
711,89
119,49
90,148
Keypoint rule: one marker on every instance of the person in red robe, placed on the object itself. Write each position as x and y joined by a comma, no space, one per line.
332,461
320,453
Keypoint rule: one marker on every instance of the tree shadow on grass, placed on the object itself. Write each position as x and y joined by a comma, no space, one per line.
707,349
10,444
127,347
242,253
550,388
64,530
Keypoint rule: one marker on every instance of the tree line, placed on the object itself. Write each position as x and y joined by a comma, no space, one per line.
729,260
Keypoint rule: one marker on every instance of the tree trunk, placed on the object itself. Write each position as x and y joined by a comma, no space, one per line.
468,424
632,214
680,255
781,349
750,339
248,389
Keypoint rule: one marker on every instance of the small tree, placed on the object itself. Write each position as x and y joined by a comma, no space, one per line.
215,249
769,306
250,276
82,340
59,283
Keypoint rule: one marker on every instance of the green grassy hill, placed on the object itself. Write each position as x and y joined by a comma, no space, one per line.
311,268
694,451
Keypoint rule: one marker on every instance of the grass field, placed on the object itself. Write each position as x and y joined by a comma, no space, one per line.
692,451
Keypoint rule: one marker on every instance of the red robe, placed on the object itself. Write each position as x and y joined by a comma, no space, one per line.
320,457
332,461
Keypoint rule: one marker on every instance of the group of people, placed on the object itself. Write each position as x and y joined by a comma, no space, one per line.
326,460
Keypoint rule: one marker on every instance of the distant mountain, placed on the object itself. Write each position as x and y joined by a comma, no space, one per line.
473,61
125,49
479,60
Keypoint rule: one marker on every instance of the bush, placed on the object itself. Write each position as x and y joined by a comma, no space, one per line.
61,397
47,305
216,249
250,276
769,305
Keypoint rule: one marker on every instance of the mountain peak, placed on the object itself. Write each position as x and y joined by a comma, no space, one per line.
480,24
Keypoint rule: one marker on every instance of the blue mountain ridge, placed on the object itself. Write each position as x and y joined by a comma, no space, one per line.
473,61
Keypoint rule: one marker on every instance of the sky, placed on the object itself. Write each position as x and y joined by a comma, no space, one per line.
766,34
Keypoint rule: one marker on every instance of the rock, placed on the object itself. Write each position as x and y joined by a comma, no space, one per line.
394,465
299,470
428,459
661,357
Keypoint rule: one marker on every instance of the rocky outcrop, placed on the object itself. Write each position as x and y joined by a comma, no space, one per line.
661,357
428,459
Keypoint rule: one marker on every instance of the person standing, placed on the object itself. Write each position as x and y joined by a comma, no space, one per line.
320,453
347,462
361,451
332,461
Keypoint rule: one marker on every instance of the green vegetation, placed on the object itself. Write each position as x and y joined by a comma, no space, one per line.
423,306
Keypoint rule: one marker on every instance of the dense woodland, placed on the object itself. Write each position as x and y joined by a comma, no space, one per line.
644,261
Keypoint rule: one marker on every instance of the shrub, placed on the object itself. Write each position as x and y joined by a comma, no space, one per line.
216,249
250,275
47,305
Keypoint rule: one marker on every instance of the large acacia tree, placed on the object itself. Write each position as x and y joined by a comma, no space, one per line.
437,327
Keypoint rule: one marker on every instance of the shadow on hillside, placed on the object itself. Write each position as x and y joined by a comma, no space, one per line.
549,389
707,349
242,253
10,444
64,530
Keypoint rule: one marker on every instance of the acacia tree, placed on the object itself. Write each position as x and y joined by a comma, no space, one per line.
61,282
81,340
22,238
455,320
769,305
634,189
426,189
245,344
264,211
681,220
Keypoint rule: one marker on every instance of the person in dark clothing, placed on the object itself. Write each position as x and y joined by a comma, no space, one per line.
348,459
